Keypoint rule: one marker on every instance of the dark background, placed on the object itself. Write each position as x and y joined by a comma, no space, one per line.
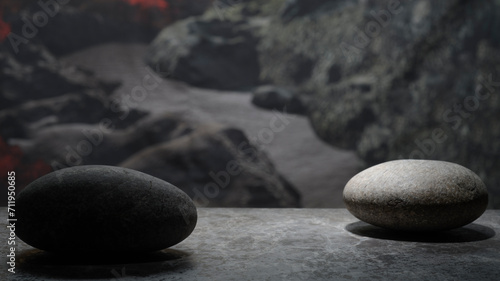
351,83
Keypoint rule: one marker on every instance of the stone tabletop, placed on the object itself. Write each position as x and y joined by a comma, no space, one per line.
283,244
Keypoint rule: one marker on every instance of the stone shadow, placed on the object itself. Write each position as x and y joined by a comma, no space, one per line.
50,265
470,233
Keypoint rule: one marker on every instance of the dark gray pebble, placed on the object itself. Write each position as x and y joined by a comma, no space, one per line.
103,210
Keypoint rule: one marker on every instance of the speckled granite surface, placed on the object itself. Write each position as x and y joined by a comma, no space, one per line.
285,244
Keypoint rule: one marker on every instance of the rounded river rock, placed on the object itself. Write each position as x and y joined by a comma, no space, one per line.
416,195
103,210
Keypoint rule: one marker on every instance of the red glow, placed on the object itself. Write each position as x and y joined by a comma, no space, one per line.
11,159
4,28
10,156
146,4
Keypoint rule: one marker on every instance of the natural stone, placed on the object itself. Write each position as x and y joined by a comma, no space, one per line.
37,90
218,167
278,98
19,121
65,115
176,150
103,210
99,144
35,74
388,79
212,54
416,195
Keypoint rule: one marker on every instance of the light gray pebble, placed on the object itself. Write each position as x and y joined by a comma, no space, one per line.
416,195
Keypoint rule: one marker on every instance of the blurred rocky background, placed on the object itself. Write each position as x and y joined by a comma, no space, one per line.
55,114
383,79
388,79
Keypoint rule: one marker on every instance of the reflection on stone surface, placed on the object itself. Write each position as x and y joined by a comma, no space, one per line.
288,244
469,233
40,263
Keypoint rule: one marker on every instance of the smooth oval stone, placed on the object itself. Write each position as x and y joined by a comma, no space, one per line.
103,210
416,195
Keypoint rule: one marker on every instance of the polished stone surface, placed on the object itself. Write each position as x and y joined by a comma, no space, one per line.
285,244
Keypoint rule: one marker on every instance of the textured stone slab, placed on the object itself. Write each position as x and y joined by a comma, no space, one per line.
287,244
